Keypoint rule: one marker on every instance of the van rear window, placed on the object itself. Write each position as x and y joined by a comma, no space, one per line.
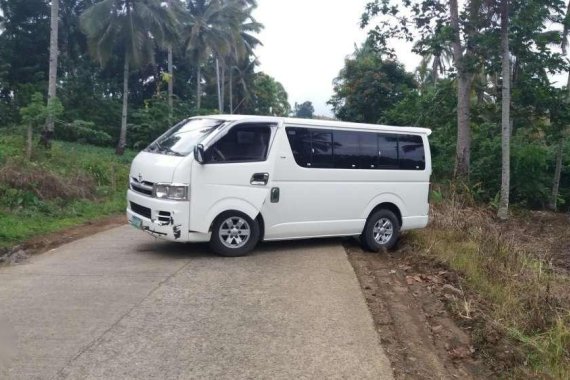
322,148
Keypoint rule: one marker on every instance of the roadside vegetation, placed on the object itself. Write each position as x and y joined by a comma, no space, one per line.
515,280
67,185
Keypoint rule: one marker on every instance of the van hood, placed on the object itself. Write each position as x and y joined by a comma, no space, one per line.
152,167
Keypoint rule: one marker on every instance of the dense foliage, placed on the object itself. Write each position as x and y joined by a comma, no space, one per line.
211,43
374,87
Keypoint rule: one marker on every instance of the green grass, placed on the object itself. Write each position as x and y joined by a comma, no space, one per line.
67,185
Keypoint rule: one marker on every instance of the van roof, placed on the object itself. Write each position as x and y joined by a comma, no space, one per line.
319,123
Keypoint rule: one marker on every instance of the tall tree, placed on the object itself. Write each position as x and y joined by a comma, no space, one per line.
207,33
429,19
52,84
553,203
242,45
132,27
369,85
464,80
304,110
503,211
269,97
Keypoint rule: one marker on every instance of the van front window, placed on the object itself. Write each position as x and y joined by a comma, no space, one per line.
181,139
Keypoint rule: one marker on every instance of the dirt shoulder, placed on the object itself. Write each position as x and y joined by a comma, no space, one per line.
409,300
49,241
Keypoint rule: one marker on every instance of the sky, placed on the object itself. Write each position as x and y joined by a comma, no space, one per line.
305,43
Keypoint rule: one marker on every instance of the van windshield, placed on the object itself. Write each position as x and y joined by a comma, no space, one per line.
181,139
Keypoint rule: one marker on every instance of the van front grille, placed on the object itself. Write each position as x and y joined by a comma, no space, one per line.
143,187
141,210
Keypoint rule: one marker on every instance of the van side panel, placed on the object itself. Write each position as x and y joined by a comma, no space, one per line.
330,202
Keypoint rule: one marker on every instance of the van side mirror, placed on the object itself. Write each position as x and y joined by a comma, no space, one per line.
199,153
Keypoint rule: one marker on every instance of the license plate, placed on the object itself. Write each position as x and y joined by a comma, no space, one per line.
136,223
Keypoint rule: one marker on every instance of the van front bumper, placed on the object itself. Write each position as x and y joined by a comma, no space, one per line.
162,218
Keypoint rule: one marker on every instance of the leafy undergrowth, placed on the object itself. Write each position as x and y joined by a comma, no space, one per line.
518,303
61,187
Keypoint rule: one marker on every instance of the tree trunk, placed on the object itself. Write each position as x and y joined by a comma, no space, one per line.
464,81
557,173
123,136
436,64
29,143
198,87
503,212
170,84
218,86
223,85
231,90
47,133
463,152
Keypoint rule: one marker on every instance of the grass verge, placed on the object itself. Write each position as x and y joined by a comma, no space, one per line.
58,188
518,308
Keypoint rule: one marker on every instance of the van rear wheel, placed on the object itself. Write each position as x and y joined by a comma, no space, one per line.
234,234
381,231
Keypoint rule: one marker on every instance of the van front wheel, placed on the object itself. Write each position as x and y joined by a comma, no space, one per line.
234,234
381,231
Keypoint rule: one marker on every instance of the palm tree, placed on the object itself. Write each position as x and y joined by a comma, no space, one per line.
180,13
53,53
221,28
132,27
503,211
243,44
561,141
206,33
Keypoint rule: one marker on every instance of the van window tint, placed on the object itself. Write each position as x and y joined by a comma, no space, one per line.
311,147
300,141
346,150
388,151
321,149
411,152
247,142
368,150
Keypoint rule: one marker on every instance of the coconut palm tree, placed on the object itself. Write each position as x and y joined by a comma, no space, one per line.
243,45
134,28
53,53
180,12
205,33
221,28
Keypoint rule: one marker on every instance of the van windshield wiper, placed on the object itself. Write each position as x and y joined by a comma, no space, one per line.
168,150
156,147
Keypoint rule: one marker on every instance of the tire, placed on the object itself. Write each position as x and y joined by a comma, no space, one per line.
376,236
234,234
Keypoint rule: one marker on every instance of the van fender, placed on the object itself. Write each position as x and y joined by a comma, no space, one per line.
235,204
385,198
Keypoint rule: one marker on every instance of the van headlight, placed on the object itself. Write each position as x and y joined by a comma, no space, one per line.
169,191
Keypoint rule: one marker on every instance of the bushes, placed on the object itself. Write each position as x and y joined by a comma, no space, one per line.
60,187
532,151
83,132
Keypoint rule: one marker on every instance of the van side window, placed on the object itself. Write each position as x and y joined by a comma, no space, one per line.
322,148
388,151
243,143
300,141
411,152
346,150
368,150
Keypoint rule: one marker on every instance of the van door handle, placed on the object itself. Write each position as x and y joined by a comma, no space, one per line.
259,179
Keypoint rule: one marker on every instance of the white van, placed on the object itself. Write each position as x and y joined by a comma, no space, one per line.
235,180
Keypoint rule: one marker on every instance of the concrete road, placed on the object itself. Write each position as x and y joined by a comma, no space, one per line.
121,305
